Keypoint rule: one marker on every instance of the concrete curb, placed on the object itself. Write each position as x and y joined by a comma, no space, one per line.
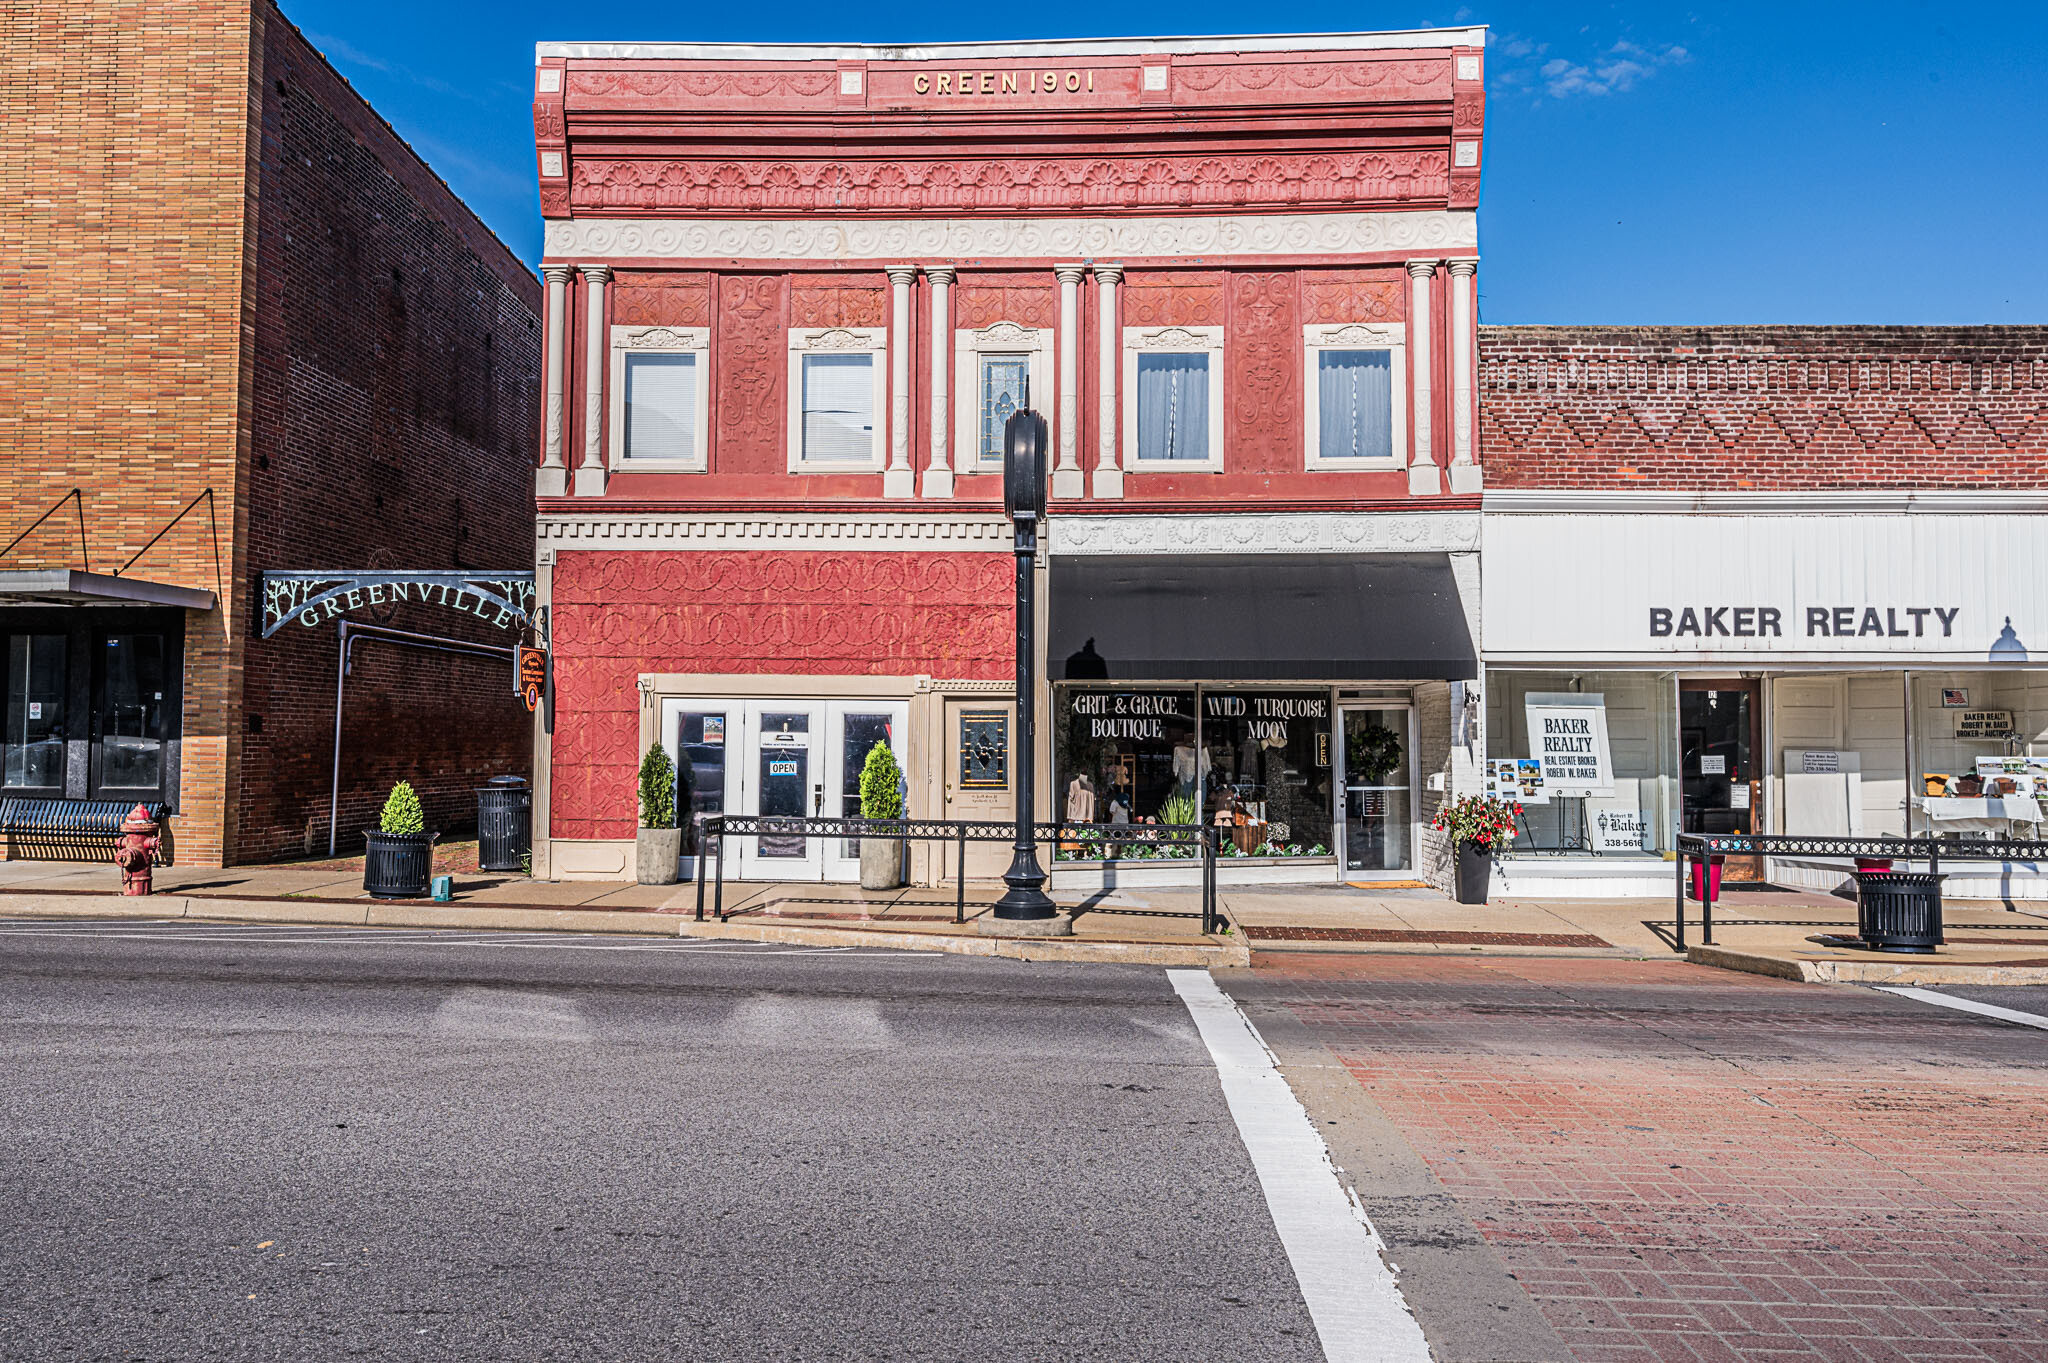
1904,971
489,918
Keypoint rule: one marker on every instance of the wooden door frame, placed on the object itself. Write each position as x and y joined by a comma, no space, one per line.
1735,868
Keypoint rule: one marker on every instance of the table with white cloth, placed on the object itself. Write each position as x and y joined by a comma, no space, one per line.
1993,814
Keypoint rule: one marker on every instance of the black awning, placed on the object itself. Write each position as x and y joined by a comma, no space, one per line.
1257,617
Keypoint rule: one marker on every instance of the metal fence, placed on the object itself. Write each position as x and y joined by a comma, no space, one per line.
1705,850
1164,840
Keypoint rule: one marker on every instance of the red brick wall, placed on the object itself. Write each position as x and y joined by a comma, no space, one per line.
395,422
811,614
1769,407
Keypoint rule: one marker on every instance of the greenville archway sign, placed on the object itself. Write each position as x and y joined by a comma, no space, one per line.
311,597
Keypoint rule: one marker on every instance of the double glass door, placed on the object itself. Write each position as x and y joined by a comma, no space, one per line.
780,759
89,713
1377,748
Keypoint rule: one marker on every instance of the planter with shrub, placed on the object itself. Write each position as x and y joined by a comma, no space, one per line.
398,858
1479,825
658,847
881,800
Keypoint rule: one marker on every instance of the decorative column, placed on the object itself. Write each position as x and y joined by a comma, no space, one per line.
899,481
1465,475
1066,475
590,473
1109,476
1423,479
938,475
551,479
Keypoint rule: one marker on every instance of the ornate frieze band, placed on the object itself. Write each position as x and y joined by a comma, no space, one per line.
1309,532
963,534
815,238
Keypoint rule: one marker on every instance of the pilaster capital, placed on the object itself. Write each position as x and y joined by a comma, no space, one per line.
1421,269
596,274
1463,266
902,276
939,274
1108,274
1070,274
558,274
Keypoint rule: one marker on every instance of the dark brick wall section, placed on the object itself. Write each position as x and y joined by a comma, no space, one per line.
1764,407
395,423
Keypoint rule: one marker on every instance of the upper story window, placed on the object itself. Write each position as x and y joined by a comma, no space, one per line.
1173,399
836,398
660,385
1355,396
998,369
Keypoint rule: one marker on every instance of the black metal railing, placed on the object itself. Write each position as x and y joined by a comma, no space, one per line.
1704,850
1200,841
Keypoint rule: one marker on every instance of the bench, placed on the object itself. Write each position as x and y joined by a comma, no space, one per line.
70,830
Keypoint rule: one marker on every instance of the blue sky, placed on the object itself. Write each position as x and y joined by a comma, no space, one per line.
1644,162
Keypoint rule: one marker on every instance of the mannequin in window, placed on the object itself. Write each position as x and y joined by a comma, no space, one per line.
1081,799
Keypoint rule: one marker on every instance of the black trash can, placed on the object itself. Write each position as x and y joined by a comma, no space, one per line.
1899,910
504,823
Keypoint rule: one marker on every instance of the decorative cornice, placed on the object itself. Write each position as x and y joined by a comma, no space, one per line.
1174,338
1335,532
821,238
962,534
1356,333
1854,502
1002,334
839,338
1414,39
661,338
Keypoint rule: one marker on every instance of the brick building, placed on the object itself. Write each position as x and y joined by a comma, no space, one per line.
242,328
1799,571
793,292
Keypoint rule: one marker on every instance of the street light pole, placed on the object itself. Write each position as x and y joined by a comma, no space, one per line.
1024,472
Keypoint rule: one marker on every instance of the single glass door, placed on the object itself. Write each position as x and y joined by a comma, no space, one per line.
34,736
1720,777
128,724
784,781
855,728
1378,777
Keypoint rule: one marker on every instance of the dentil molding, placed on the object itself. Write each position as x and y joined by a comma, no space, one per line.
817,238
1311,532
952,534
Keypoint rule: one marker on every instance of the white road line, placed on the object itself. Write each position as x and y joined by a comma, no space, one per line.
1989,1010
341,934
1336,1254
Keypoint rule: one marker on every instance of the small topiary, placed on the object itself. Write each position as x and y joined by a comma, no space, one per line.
402,813
881,785
657,789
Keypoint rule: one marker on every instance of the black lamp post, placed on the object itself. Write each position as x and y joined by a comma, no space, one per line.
1024,442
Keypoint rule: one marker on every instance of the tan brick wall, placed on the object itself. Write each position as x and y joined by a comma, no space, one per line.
122,248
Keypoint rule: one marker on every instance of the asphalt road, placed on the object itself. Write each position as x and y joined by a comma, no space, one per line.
291,1143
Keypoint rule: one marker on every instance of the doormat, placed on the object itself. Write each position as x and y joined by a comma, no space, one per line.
1270,933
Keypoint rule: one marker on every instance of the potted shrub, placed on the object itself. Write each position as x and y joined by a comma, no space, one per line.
1479,826
881,798
658,846
398,857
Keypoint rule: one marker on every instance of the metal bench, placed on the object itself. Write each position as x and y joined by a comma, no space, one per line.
69,830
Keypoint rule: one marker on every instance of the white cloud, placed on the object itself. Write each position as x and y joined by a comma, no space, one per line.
1617,70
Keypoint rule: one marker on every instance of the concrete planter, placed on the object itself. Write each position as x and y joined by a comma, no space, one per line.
655,854
881,863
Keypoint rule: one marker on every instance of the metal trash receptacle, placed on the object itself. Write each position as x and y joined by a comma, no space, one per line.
1899,910
504,823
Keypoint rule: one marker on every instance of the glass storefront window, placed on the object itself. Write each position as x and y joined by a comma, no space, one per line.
1642,816
35,710
1258,762
1979,764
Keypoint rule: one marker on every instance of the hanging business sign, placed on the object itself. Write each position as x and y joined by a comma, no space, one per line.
313,597
530,675
1568,730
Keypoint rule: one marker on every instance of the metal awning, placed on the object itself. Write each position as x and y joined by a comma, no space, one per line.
71,587
1257,617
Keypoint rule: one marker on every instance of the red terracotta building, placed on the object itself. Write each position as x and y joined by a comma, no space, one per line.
792,294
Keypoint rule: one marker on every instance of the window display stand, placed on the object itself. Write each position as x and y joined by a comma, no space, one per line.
1573,842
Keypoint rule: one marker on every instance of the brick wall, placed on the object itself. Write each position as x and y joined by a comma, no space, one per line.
395,422
1767,407
800,614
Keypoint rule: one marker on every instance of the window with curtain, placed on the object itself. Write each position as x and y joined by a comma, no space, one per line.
839,409
1005,390
1355,397
661,406
1173,407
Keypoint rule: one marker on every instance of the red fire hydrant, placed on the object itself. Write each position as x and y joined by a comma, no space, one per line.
135,853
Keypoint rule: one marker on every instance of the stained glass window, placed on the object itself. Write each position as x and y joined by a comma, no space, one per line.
1005,389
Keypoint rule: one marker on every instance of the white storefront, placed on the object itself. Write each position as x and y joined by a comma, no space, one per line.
1813,664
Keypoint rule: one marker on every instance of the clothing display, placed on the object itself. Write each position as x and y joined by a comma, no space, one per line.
1080,800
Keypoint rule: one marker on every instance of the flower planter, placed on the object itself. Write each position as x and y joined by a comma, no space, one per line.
397,865
656,854
881,862
1474,872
